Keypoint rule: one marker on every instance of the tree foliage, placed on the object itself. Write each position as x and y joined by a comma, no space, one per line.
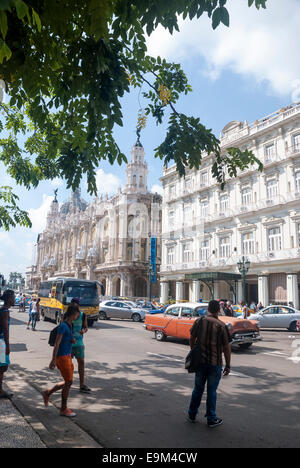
66,65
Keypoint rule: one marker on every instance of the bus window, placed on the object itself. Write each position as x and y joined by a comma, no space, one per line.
45,289
85,291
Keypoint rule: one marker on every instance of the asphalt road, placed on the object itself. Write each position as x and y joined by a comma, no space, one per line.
141,391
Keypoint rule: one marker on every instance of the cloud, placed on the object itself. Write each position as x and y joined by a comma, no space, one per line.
260,45
57,182
38,216
107,182
156,188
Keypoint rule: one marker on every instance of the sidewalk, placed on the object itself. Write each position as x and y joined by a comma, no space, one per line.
26,423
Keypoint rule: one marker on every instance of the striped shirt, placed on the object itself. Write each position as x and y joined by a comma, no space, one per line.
211,336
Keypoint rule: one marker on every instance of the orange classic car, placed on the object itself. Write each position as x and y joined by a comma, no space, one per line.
179,318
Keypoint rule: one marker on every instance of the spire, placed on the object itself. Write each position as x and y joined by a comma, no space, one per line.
137,170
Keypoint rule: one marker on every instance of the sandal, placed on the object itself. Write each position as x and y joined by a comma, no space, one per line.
6,395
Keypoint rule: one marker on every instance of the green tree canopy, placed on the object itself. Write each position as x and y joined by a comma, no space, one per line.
66,64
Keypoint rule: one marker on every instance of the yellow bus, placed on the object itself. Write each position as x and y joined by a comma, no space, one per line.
55,295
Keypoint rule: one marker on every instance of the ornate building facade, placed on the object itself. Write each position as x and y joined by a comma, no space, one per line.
207,231
107,240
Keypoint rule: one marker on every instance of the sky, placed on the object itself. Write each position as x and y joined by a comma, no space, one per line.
244,72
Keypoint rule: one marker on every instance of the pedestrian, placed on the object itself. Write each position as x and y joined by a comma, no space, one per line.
35,313
212,339
228,310
29,313
21,303
253,307
260,306
80,327
62,359
9,300
245,310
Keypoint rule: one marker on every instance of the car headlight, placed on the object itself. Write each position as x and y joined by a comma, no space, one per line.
229,325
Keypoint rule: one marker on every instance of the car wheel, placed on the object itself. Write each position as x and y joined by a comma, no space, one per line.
160,336
102,315
245,345
293,327
44,316
136,318
58,318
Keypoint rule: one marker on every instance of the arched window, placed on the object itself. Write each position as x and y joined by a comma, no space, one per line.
134,180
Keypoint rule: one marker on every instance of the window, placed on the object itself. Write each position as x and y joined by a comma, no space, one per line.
204,179
170,255
204,208
246,196
298,232
172,191
204,251
224,203
173,311
202,310
274,239
186,312
272,189
187,253
248,246
187,213
297,176
224,247
296,141
270,152
171,217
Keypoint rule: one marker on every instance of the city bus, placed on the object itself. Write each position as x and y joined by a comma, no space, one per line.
55,295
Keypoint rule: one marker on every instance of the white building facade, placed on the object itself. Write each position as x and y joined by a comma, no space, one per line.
107,240
206,231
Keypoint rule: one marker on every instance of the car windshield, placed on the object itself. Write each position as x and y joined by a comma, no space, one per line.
86,292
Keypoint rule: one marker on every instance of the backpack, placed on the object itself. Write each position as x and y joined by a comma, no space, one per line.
52,336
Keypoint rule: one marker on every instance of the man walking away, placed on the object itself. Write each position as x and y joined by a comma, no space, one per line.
80,327
212,339
9,300
62,359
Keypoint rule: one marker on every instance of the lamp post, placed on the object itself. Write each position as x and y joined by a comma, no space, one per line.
150,275
244,266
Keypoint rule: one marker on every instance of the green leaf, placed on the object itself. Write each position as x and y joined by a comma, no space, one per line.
5,52
3,24
22,9
36,20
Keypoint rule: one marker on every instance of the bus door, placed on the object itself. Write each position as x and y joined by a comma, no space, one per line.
53,302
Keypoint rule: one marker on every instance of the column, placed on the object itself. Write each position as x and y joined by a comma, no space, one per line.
196,294
179,290
123,286
263,290
239,292
292,290
164,292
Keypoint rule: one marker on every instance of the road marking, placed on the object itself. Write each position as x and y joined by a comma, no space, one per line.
166,357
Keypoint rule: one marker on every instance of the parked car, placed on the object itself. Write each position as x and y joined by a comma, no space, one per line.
120,310
278,316
158,311
146,305
179,318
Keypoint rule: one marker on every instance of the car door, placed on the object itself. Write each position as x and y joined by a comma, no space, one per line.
285,317
171,317
269,318
126,311
109,309
185,322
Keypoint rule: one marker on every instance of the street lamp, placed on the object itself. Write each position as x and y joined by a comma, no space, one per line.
150,275
244,266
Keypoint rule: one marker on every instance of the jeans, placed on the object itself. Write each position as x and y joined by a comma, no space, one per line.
33,320
212,376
